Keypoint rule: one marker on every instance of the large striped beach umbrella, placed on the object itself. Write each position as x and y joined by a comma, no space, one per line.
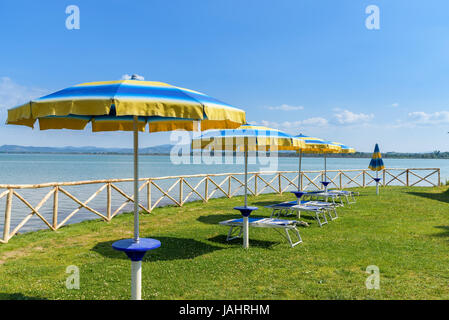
247,138
344,148
314,145
128,105
376,164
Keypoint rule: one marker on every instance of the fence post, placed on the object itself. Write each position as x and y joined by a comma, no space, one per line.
181,180
7,224
322,179
108,201
406,177
341,185
363,175
55,207
384,176
229,187
439,182
255,183
206,188
280,183
149,195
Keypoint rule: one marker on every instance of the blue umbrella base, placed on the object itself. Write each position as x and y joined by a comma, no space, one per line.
246,211
136,250
298,194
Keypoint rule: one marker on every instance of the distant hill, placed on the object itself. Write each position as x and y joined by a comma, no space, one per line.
166,148
161,149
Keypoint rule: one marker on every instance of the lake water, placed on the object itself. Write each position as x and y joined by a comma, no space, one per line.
42,168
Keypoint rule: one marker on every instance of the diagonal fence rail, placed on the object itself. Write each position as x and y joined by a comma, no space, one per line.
175,190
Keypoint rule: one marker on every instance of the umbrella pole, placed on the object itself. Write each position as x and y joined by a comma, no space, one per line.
299,170
136,181
325,172
377,182
246,176
245,219
136,266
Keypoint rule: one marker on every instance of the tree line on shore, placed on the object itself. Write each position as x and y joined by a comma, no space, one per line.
390,155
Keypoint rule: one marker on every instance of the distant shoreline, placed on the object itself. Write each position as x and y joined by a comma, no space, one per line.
357,155
90,153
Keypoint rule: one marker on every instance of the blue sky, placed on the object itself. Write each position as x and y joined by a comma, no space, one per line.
302,66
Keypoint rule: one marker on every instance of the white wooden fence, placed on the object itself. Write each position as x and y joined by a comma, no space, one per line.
177,190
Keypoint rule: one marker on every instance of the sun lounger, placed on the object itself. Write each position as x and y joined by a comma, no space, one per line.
319,211
347,194
325,196
284,208
236,227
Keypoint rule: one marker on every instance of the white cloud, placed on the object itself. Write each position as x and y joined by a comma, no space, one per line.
316,121
13,94
295,126
286,107
346,117
395,105
424,118
341,117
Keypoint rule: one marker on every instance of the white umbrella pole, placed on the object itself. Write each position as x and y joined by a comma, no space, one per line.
299,170
136,181
377,182
245,219
325,172
246,177
136,266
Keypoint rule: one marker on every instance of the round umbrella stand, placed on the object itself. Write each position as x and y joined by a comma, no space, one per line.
246,212
377,184
135,250
325,184
298,195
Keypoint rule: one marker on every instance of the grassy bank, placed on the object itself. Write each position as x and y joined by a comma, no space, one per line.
404,231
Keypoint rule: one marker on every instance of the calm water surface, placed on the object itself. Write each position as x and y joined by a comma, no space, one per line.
42,168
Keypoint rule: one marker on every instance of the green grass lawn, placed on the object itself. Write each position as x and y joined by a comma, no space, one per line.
404,231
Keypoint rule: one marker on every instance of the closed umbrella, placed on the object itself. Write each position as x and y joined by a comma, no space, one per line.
246,138
376,164
128,105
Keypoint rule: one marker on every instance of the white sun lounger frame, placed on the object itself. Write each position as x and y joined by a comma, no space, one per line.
325,195
236,227
319,211
347,194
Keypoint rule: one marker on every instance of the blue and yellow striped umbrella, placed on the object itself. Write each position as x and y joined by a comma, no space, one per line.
245,138
111,105
128,105
376,163
344,148
314,145
317,145
249,137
